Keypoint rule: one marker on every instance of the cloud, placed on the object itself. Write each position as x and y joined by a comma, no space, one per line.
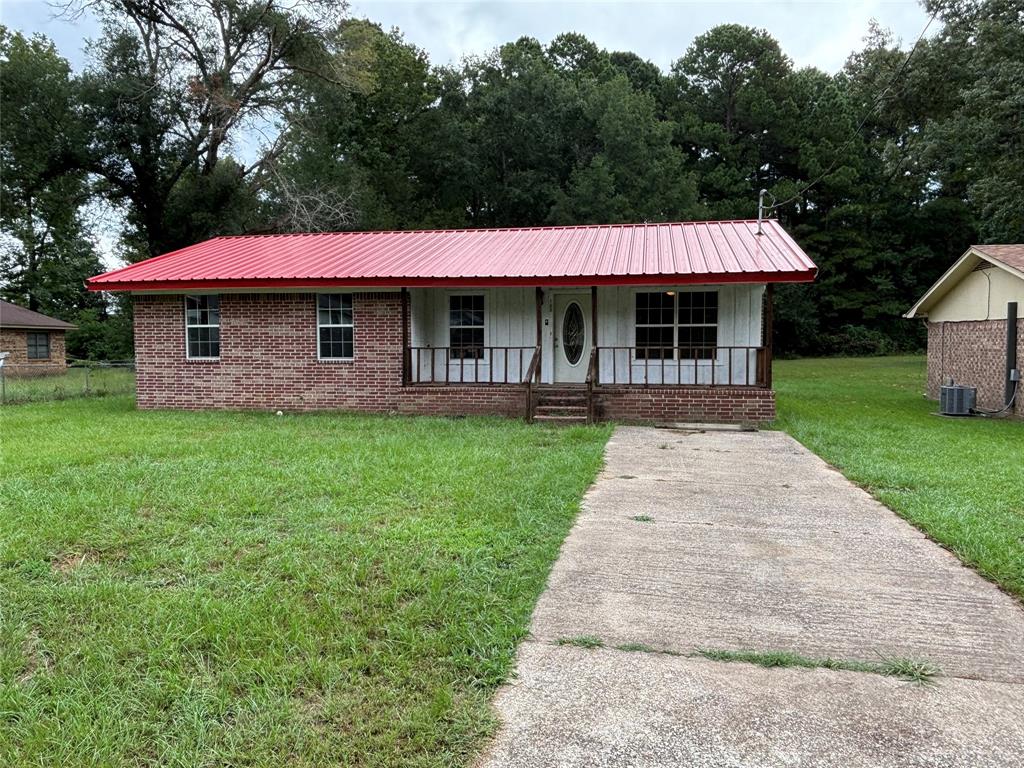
820,34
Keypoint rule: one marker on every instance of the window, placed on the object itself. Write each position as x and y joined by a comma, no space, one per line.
335,327
655,326
466,327
38,346
202,327
669,321
698,325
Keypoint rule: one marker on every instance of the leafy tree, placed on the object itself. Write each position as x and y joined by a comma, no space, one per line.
46,251
978,144
368,147
635,172
176,83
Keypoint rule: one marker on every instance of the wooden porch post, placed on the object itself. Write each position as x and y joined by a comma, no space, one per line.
769,330
540,331
406,373
593,314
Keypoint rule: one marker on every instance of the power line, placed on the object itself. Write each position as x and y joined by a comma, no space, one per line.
874,107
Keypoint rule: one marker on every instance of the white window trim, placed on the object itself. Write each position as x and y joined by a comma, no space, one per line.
676,324
673,325
184,306
319,325
456,361
718,308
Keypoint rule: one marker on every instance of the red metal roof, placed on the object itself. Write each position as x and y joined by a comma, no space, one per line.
617,254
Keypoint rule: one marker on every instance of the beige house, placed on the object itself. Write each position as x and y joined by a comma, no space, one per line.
34,342
966,311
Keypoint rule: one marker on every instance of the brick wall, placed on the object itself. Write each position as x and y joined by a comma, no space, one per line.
735,405
16,342
973,353
268,360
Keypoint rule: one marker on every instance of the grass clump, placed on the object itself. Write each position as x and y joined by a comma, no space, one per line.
642,518
916,670
961,481
242,589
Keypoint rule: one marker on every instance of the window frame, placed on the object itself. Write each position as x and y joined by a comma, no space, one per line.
29,345
482,357
673,325
712,351
319,325
676,325
188,325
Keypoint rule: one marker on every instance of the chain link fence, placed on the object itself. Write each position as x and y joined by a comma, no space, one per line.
25,383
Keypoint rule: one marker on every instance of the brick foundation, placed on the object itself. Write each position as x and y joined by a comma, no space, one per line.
973,353
268,360
734,405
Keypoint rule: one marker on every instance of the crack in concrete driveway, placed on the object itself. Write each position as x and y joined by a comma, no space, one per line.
756,544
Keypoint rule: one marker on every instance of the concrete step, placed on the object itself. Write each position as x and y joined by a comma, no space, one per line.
558,401
563,420
562,410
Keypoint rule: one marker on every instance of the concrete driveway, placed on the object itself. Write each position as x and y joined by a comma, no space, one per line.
726,540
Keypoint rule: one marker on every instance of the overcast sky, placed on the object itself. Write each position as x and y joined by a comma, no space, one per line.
820,34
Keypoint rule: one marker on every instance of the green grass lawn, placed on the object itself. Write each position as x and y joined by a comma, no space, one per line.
249,590
76,382
961,481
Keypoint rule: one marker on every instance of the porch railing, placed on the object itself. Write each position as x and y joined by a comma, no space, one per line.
714,366
472,365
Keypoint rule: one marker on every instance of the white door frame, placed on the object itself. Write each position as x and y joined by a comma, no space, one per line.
584,299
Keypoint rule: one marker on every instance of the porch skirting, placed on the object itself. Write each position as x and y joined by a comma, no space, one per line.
730,405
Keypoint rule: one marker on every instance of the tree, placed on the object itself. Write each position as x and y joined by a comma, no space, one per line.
977,145
46,252
178,83
363,153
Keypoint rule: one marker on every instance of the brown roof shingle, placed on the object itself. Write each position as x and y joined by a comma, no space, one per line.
13,316
1011,255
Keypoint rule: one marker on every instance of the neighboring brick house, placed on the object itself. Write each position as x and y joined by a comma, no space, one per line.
661,322
966,312
34,342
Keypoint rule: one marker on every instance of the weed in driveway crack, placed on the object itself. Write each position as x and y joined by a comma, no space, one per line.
913,670
642,518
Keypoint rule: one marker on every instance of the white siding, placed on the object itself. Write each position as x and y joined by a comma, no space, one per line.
739,325
510,318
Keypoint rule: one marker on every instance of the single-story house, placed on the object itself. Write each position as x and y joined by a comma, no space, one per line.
34,342
968,328
636,322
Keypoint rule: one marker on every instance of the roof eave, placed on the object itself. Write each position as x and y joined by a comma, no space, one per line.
17,327
553,281
939,289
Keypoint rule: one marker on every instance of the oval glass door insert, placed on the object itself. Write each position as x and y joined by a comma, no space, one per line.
574,333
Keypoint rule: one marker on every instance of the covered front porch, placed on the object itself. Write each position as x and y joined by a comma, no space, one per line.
602,340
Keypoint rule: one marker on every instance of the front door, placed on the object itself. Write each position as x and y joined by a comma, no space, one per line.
572,336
